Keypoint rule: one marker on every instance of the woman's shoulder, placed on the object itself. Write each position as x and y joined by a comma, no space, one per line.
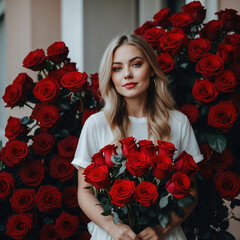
177,117
96,119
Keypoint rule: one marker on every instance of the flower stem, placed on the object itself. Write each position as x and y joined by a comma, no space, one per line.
129,213
28,105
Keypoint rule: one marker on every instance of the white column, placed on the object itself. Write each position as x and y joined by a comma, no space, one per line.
72,29
148,8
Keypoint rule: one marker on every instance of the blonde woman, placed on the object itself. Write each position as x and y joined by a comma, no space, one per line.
138,104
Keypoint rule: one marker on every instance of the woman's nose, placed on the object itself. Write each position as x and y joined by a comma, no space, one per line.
127,73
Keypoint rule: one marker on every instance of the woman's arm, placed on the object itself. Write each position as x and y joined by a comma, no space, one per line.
90,205
157,232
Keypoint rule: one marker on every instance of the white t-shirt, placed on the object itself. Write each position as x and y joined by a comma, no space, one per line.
96,134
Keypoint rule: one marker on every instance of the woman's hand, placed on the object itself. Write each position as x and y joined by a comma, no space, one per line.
151,233
122,232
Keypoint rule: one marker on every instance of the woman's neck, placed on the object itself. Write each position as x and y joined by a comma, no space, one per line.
136,107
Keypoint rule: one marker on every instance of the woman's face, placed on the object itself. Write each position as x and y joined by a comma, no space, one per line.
130,72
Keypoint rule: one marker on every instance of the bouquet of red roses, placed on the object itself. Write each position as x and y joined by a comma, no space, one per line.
143,184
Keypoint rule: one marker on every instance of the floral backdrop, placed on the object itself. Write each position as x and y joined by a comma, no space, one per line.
38,184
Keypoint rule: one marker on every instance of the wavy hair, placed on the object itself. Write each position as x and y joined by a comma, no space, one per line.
159,99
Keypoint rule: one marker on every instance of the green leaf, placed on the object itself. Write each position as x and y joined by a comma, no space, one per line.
163,219
39,77
48,66
163,202
121,170
180,212
188,200
118,159
106,213
228,236
115,218
144,219
24,120
64,106
217,142
204,110
235,202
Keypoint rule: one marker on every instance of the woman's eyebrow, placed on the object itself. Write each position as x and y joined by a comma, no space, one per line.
131,60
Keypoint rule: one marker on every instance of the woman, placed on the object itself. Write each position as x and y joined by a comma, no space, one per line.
138,104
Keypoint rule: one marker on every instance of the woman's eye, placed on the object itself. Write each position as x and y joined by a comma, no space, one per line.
116,69
136,65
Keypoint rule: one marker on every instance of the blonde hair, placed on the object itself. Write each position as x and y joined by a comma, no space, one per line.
159,99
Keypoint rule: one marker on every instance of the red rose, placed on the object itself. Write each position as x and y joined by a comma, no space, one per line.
47,90
235,99
48,232
67,225
128,146
196,10
61,168
206,150
234,41
7,184
204,90
226,82
226,52
211,30
74,81
85,235
161,18
98,159
185,163
69,67
210,65
36,110
67,146
222,116
179,185
33,173
122,192
147,147
19,226
43,143
95,86
198,48
69,196
99,177
3,157
57,74
14,129
108,151
14,96
48,198
35,60
173,42
23,200
141,29
87,113
153,35
84,218
161,166
57,52
229,19
235,68
205,169
138,164
16,151
166,62
146,193
182,20
227,185
48,116
166,148
88,170
191,111
25,81
223,161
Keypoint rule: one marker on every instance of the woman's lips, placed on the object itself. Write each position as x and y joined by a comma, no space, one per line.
130,85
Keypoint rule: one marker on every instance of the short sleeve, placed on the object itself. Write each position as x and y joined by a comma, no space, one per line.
87,144
189,143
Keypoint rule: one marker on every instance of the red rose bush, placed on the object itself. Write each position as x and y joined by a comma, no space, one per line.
201,61
38,183
143,183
